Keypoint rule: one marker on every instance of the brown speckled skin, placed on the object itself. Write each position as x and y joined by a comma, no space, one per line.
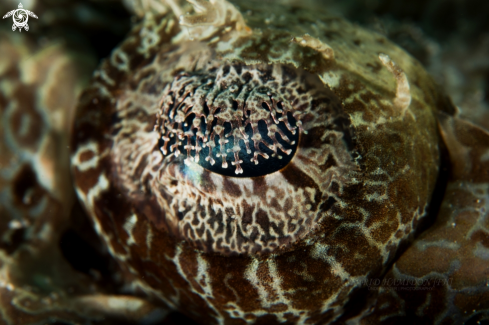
362,219
443,277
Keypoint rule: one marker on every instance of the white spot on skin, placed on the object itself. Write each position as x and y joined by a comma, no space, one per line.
214,40
106,77
124,303
88,164
331,79
422,245
128,227
120,59
149,238
15,224
46,232
308,41
312,192
209,16
203,277
403,93
357,118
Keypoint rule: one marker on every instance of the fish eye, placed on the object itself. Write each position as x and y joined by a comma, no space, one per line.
234,149
239,120
209,144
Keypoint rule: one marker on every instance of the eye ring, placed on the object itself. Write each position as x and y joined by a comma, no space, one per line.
293,152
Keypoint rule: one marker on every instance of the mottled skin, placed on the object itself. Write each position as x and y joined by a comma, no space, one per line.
38,90
452,288
34,207
366,185
367,161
